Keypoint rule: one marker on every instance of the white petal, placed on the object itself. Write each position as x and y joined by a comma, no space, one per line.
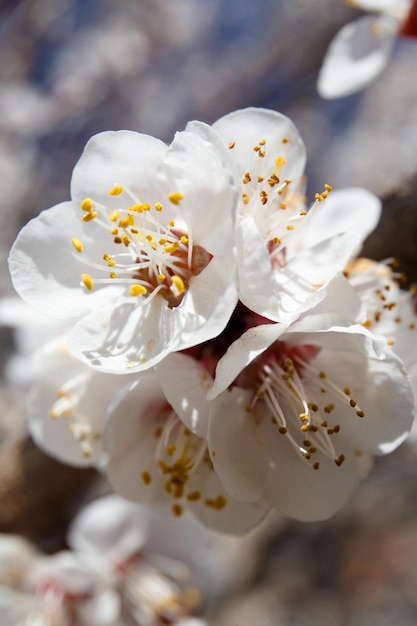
298,491
352,210
396,8
356,56
256,277
234,517
238,456
44,271
131,442
340,299
380,386
242,352
109,528
201,169
127,338
185,384
122,157
247,127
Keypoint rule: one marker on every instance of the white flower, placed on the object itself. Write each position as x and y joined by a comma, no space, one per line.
360,50
144,252
111,536
67,405
307,406
388,310
286,254
157,451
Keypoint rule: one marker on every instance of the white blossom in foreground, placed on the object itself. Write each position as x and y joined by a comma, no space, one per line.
296,412
157,449
361,49
143,256
287,255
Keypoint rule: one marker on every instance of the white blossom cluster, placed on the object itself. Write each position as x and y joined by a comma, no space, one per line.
107,576
221,347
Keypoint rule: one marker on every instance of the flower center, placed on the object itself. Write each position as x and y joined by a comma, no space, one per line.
180,457
291,389
278,205
143,253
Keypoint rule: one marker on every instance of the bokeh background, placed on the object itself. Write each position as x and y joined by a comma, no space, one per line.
72,68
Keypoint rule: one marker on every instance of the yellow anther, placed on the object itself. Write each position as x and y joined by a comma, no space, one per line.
158,206
161,276
347,391
256,148
303,417
116,190
194,496
360,413
324,194
184,239
232,145
162,241
276,240
87,281
88,217
114,231
170,449
217,503
177,510
260,179
304,428
175,197
245,198
137,208
146,207
87,204
111,263
147,478
282,205
279,162
137,290
114,215
129,220
290,227
126,240
77,244
284,140
390,342
303,212
262,142
178,283
171,223
112,275
149,237
170,248
328,187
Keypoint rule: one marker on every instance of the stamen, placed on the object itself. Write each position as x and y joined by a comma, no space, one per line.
77,244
